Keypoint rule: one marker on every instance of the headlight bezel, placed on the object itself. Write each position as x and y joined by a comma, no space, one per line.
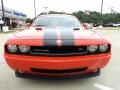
98,51
18,51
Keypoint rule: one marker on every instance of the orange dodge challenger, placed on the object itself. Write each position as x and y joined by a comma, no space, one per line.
56,45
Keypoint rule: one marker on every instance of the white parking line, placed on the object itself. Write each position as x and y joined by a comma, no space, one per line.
102,87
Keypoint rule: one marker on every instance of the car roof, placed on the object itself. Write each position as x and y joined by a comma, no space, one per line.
57,15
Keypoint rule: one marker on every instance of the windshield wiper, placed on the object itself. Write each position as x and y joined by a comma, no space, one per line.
41,25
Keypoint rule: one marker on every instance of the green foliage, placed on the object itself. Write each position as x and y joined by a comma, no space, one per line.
96,18
91,17
55,12
29,20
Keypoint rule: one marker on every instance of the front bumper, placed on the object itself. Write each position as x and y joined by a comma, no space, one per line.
27,63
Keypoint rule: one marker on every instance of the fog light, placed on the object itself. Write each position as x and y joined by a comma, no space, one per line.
21,71
95,70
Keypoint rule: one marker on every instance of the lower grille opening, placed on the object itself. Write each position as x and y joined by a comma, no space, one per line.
58,71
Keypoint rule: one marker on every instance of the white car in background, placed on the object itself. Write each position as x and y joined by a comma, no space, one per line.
117,25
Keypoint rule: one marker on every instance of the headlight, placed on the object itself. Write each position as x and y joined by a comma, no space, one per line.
92,48
103,47
23,48
12,48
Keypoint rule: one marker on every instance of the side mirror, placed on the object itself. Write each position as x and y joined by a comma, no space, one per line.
76,29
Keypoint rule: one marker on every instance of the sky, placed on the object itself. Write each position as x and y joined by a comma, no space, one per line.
69,6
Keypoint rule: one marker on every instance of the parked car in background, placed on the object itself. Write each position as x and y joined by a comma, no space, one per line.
57,45
112,25
118,24
108,25
96,25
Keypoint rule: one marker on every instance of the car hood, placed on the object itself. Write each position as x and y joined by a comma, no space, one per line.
68,36
53,33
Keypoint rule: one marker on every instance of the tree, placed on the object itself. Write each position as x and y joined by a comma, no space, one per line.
55,12
29,20
92,17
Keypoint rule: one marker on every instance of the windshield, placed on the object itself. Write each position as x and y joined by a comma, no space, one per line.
57,21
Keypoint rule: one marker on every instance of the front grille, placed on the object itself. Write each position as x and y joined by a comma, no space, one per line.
59,71
60,51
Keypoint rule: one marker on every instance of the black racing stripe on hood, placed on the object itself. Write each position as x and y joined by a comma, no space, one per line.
67,37
50,37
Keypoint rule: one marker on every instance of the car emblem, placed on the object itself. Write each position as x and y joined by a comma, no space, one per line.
80,49
59,42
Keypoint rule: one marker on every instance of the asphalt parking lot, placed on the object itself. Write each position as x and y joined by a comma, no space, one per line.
108,80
